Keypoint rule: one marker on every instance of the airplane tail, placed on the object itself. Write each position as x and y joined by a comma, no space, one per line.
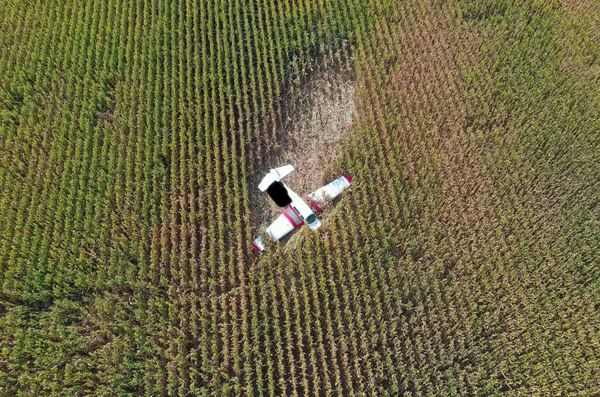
275,175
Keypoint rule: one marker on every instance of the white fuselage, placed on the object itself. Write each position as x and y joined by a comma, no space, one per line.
297,211
303,209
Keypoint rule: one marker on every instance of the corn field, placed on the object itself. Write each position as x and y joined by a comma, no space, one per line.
464,260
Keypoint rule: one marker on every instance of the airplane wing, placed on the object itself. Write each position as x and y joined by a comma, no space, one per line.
322,196
282,225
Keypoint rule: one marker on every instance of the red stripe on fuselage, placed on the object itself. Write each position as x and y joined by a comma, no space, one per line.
290,218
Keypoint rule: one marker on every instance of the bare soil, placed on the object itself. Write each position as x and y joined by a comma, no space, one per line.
315,116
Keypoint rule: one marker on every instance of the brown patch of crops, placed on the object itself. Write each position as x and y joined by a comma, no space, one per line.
315,116
429,78
579,60
579,6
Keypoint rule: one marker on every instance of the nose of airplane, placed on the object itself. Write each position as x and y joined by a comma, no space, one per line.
313,222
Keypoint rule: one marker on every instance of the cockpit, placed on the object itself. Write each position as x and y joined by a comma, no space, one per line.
279,194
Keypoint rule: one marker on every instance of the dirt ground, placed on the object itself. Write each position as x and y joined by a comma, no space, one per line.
318,114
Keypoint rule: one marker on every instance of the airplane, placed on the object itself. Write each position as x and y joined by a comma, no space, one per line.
297,211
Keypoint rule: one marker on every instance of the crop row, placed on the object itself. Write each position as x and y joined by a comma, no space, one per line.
461,261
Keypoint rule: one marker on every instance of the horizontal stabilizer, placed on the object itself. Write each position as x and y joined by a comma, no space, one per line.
285,170
275,175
